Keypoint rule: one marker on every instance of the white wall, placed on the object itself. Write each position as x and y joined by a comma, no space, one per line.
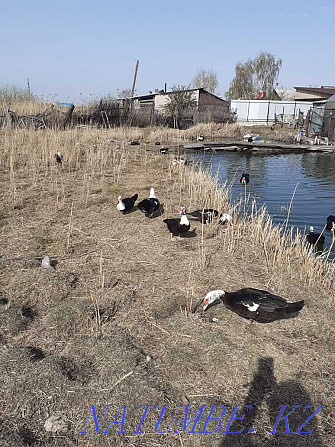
261,111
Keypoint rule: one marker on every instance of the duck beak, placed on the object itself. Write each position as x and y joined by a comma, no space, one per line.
213,303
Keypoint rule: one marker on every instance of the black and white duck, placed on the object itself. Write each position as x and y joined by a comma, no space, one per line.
207,215
201,137
330,222
179,161
59,158
315,238
126,205
254,304
244,180
177,227
149,206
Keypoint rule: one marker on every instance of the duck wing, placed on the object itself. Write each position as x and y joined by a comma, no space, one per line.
175,227
129,202
149,206
144,206
254,300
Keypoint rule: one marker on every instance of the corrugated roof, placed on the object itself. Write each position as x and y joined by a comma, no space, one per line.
318,90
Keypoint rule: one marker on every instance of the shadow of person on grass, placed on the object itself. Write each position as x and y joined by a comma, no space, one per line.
265,389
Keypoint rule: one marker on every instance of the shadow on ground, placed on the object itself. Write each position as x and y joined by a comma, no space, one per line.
265,389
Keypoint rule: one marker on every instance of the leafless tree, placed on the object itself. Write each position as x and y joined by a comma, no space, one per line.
207,79
254,76
180,103
125,93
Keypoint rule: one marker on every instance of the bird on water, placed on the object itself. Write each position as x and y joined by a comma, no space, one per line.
254,304
330,222
177,227
149,206
244,180
127,204
315,238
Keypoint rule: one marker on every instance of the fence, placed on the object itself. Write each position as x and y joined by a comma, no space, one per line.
268,111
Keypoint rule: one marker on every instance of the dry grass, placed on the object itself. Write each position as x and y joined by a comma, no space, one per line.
122,291
25,107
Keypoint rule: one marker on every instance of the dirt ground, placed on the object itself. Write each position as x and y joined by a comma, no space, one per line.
112,325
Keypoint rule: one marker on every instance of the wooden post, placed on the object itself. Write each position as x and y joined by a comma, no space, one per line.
267,115
135,76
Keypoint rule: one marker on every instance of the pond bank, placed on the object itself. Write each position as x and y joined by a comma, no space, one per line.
261,147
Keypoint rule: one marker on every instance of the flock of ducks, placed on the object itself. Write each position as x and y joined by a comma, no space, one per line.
252,304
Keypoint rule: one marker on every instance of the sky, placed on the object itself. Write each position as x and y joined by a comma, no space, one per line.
75,50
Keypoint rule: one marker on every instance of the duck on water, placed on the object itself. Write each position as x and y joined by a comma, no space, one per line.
244,180
315,238
330,223
254,304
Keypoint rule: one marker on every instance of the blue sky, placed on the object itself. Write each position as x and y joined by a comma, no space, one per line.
76,48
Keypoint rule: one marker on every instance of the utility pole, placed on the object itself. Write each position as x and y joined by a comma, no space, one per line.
135,76
28,87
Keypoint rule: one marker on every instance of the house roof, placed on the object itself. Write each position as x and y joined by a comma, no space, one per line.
186,90
328,90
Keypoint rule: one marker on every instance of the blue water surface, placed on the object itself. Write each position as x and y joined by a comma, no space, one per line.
273,179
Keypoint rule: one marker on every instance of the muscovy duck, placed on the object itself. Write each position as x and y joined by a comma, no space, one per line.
315,238
127,204
207,215
330,222
177,227
59,158
149,206
244,180
254,304
179,161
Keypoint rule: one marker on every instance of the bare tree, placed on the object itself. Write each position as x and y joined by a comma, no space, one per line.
125,93
207,79
254,76
180,103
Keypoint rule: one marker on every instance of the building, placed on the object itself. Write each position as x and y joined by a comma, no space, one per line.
314,94
208,107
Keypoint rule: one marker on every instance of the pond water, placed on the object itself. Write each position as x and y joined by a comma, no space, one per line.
273,179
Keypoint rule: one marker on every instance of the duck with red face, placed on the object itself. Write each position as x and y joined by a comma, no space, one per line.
254,304
177,227
244,180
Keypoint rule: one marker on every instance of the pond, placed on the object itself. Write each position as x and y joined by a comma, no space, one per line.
273,179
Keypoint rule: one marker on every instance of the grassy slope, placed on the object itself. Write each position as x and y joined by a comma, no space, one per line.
144,283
